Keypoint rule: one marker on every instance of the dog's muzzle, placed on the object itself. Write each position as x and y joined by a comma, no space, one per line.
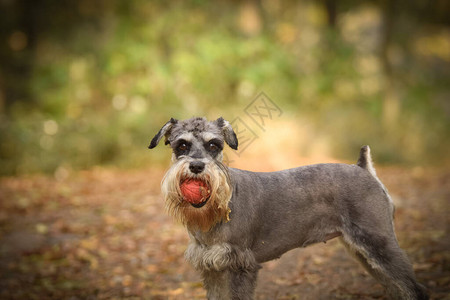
204,201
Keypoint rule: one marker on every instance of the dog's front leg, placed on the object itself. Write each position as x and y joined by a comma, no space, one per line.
230,284
228,271
243,283
217,285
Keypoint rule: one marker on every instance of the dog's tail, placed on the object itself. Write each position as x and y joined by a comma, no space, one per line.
365,160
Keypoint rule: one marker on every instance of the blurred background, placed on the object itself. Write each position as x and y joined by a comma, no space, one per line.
86,83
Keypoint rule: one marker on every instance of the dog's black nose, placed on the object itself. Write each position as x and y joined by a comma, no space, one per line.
196,166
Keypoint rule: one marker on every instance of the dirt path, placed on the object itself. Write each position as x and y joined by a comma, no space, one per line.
103,234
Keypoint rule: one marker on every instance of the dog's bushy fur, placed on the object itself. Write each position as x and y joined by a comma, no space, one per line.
214,211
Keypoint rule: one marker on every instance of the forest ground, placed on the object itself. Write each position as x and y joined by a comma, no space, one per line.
104,234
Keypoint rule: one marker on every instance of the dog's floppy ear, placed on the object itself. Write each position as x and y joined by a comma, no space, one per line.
228,133
164,131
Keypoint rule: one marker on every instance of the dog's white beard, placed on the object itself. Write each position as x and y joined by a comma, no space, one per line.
216,208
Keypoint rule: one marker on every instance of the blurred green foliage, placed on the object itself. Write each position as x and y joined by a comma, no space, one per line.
89,82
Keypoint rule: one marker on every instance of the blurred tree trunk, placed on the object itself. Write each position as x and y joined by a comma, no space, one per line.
331,8
19,32
391,101
388,10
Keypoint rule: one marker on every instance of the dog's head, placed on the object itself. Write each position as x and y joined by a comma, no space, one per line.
197,146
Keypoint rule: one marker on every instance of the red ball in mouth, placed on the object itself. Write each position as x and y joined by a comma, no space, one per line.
195,191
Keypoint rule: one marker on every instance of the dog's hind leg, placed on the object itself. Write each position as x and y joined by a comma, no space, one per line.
382,257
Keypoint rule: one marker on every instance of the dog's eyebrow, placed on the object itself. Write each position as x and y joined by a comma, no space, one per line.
188,137
208,136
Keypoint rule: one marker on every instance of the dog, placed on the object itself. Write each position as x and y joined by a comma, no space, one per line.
239,219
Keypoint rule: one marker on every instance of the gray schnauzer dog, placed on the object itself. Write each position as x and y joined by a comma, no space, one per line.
243,218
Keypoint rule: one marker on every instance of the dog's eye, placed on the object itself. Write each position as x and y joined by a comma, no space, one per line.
182,147
213,147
